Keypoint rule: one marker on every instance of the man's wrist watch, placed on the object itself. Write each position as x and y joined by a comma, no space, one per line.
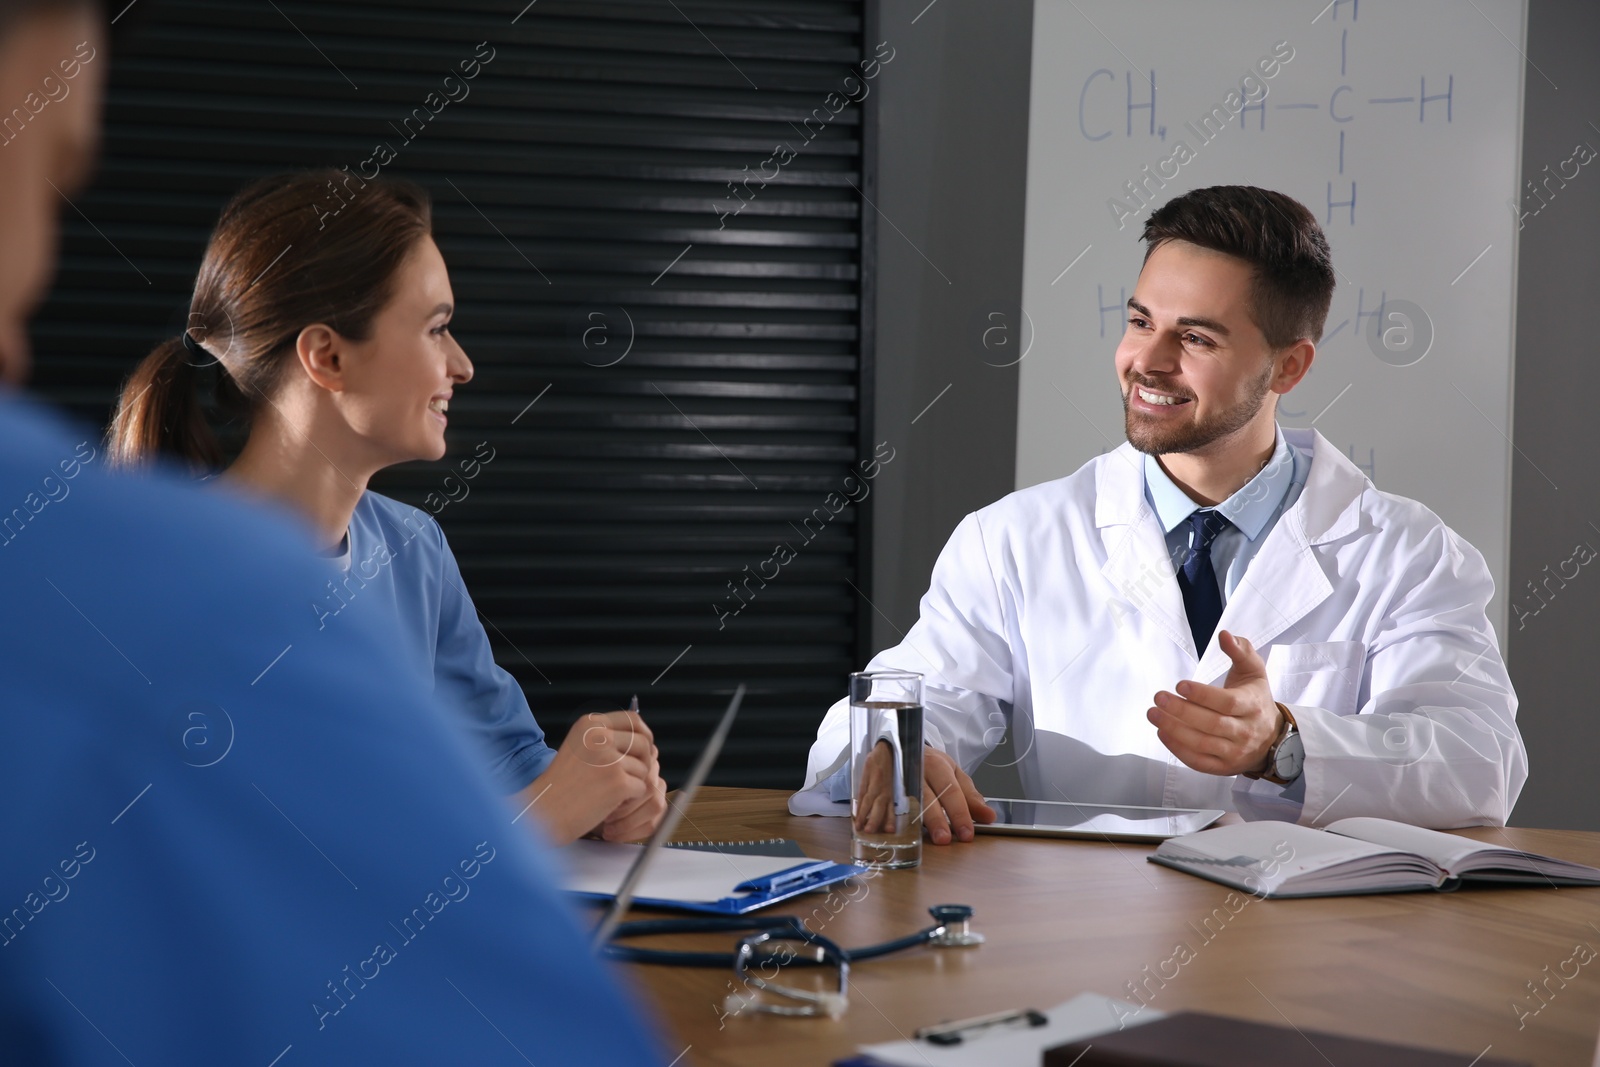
1287,756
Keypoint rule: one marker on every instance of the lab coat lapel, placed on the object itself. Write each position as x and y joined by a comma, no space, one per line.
1285,582
1281,586
1136,550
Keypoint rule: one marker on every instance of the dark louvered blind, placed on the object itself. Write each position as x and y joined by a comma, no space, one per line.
671,372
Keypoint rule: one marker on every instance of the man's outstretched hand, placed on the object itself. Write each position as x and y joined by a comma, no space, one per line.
1221,730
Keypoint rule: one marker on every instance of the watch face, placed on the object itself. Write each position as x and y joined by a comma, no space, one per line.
1291,756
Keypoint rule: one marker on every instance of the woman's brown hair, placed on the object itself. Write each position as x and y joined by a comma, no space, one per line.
319,246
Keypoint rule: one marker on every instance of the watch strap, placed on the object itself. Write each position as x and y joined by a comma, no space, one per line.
1288,728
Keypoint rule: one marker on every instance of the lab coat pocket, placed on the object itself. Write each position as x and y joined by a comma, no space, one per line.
1319,674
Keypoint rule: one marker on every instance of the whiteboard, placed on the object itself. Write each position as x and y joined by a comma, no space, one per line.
1397,124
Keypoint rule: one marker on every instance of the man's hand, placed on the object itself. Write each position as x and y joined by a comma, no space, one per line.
874,796
1222,731
950,802
606,777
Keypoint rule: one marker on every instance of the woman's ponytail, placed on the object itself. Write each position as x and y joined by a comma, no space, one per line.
159,413
251,301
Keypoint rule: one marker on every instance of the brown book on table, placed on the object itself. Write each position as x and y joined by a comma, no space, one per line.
1197,1039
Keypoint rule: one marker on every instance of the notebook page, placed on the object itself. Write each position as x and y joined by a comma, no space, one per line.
1269,854
1447,850
1463,856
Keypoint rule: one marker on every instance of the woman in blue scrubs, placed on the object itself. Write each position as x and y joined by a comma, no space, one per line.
328,305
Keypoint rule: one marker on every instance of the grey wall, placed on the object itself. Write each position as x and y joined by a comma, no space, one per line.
952,166
952,157
1555,487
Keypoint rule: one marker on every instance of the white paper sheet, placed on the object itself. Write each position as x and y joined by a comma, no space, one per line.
675,873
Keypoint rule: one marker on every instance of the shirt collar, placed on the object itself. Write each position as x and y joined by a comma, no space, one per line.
1250,509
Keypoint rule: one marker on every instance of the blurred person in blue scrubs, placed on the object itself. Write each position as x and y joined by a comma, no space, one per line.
323,305
229,836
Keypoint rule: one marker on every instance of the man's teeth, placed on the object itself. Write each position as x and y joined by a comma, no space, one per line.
1157,398
441,406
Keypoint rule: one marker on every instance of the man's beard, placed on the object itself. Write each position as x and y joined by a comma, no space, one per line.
1191,436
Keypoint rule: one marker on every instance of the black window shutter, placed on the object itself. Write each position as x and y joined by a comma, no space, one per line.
668,317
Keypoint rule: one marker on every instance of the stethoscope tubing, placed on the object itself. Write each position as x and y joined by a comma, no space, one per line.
785,924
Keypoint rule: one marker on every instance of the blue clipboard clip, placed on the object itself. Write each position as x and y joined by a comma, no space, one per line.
787,881
780,885
758,892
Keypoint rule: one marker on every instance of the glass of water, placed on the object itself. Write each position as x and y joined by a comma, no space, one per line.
886,768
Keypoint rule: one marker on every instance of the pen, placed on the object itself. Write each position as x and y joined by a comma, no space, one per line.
952,1033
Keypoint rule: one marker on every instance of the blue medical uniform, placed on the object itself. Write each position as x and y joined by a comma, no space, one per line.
231,836
396,560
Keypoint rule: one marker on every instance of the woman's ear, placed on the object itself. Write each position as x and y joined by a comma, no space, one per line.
319,348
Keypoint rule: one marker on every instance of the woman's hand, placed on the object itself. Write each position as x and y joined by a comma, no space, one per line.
638,819
605,778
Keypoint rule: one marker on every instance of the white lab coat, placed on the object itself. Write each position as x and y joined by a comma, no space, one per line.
1055,611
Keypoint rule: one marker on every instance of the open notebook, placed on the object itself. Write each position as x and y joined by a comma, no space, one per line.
1276,859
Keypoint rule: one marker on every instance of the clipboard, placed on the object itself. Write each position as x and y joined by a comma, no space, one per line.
717,875
690,879
1084,1015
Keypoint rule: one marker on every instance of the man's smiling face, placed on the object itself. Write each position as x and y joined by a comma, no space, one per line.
1194,367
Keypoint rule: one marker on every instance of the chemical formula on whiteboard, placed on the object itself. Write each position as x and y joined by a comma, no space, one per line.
1106,108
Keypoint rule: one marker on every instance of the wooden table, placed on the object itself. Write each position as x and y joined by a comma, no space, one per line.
1445,970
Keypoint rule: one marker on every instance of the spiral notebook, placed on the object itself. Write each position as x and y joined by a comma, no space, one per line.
767,846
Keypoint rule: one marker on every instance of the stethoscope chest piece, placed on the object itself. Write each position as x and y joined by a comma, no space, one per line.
955,921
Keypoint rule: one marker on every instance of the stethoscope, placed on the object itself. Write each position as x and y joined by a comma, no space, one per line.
952,928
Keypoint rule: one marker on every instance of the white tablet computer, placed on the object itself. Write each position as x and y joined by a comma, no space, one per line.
1099,822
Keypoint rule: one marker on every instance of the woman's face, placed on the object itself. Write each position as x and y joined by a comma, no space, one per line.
397,382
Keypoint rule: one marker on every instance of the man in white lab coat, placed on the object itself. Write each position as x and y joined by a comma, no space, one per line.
1219,613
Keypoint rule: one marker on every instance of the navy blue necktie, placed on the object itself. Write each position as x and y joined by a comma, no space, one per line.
1202,596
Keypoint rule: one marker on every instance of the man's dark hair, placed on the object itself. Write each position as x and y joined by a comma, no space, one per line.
1292,283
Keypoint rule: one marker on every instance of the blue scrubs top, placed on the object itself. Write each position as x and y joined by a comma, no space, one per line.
396,561
230,836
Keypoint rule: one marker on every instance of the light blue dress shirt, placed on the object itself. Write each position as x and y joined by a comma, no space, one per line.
1254,510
